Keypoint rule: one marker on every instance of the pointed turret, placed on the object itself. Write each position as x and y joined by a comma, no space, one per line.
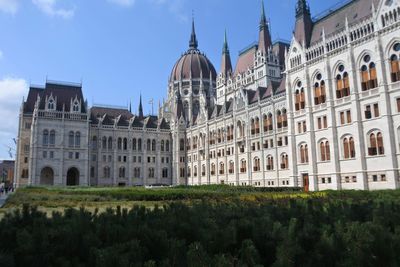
264,41
226,65
140,107
193,44
304,24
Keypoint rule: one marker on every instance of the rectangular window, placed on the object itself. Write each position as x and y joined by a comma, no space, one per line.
376,110
134,159
52,154
70,155
148,159
27,125
26,160
345,117
26,148
140,159
76,155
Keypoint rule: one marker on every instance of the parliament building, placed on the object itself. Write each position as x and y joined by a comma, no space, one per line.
319,112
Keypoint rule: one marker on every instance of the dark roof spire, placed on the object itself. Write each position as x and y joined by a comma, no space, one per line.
264,40
193,44
225,49
302,8
263,20
140,107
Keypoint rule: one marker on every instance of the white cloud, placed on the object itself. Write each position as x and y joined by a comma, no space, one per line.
12,91
9,6
123,3
49,7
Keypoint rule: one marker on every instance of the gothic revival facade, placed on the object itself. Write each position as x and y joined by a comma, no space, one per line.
321,112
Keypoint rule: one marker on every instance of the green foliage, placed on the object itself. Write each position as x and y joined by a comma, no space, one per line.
330,229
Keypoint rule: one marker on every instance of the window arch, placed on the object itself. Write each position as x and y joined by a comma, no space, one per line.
139,144
106,172
122,172
369,78
270,163
319,90
125,144
221,168
134,144
153,145
167,145
284,161
342,82
303,152
268,124
376,146
395,63
243,166
300,99
77,139
162,145
212,169
148,148
231,167
104,142
45,137
256,164
203,170
71,139
349,151
182,144
119,143
110,143
324,150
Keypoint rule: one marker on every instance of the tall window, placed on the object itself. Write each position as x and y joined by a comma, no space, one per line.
106,172
300,99
122,172
104,143
270,163
325,151
342,83
167,146
119,143
268,125
52,139
395,63
134,144
110,143
243,166
303,153
231,167
140,144
203,170
221,168
284,162
151,172
369,79
148,148
125,144
319,90
212,169
376,144
45,137
77,139
153,145
162,145
182,145
257,125
165,173
256,165
349,148
71,139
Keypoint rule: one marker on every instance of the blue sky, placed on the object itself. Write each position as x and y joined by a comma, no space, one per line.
119,48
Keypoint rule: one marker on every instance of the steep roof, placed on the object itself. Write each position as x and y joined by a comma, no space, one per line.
335,20
245,60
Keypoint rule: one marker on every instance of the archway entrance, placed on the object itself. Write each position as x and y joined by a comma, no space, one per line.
47,176
72,177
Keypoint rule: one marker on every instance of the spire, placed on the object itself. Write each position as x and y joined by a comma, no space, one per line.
302,8
304,23
130,106
193,44
264,42
226,65
140,107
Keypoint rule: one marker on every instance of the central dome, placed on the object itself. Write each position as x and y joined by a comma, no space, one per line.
193,64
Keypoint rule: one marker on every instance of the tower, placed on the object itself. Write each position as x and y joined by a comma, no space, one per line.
264,40
304,24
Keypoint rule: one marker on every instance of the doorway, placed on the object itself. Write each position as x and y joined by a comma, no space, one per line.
306,182
73,177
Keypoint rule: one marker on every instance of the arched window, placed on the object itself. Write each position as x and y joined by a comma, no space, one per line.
284,162
300,99
325,151
104,142
122,172
153,145
195,171
221,168
106,172
167,145
148,145
165,173
319,90
369,78
71,139
395,63
140,144
376,144
52,140
119,143
134,144
212,169
110,143
270,163
182,144
284,118
349,148
268,124
253,127
45,137
94,142
162,145
240,129
257,125
303,151
77,139
231,167
243,166
51,105
256,165
342,83
279,119
203,170
125,144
